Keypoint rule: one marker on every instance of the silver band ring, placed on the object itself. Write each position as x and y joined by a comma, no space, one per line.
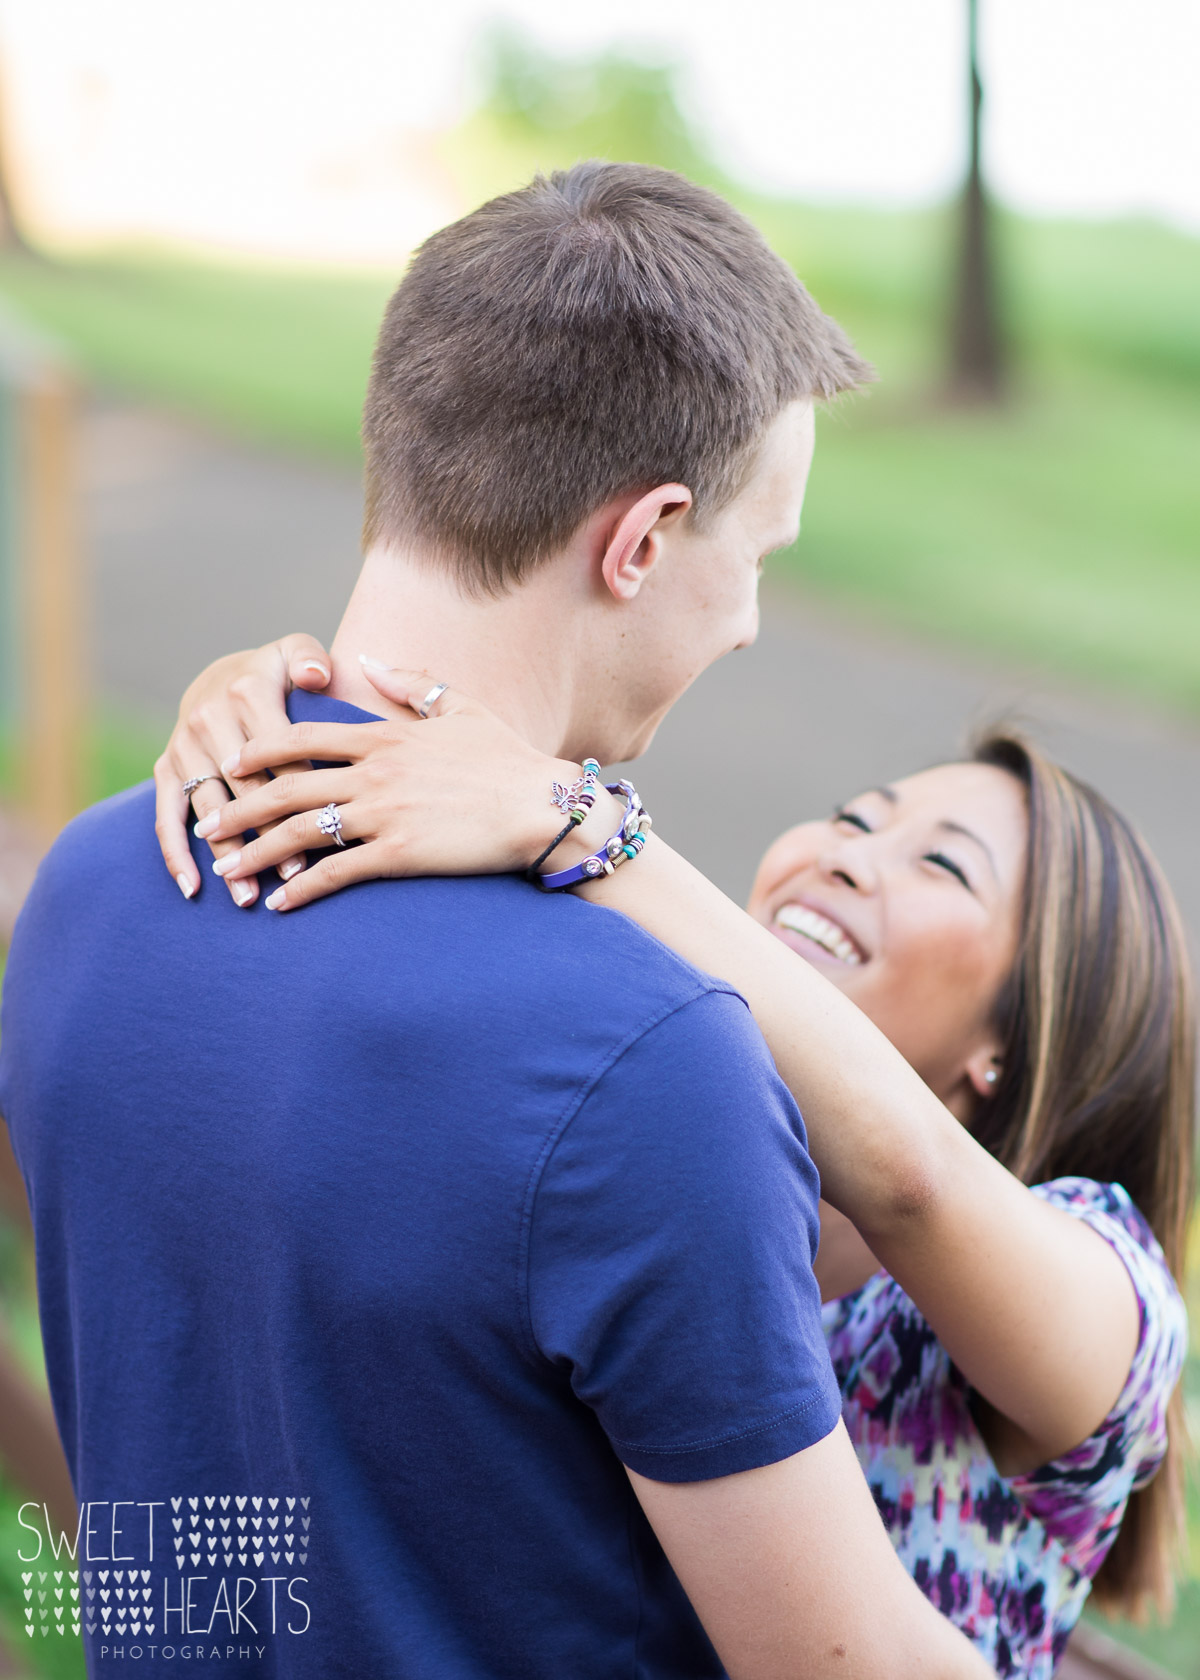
330,823
193,782
423,707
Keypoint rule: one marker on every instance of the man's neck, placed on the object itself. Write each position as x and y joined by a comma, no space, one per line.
516,653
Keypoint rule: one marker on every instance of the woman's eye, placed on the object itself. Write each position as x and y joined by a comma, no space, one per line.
944,862
853,818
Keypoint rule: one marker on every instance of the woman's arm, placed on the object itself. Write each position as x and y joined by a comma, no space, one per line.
1032,1304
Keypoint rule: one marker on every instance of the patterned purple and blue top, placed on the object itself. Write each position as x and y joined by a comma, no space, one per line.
1009,1560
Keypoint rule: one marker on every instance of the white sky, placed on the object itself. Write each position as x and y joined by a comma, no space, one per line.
292,127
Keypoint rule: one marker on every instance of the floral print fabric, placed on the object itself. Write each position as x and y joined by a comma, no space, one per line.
1008,1560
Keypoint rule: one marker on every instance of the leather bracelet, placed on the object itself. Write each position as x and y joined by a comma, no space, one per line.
533,873
575,802
624,845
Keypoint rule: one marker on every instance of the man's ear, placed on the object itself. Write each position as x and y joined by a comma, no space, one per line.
983,1070
635,541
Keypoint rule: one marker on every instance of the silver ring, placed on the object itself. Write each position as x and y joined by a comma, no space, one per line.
329,822
193,782
423,707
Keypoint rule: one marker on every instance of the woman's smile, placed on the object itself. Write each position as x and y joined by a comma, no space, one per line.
802,927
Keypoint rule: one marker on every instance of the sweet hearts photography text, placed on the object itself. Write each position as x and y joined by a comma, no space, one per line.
187,1568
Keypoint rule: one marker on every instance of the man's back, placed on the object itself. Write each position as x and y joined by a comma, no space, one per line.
373,1240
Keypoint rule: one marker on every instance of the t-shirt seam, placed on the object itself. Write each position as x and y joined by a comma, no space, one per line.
726,1440
705,988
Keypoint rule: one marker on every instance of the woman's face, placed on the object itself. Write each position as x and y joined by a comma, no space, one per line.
908,898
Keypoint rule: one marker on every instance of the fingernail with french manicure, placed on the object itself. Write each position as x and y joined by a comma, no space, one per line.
293,866
243,893
223,865
205,826
276,899
185,886
372,664
230,766
315,665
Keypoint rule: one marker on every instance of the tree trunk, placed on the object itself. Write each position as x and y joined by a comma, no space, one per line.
977,358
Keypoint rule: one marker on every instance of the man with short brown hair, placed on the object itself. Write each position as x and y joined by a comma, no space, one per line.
613,326
460,1233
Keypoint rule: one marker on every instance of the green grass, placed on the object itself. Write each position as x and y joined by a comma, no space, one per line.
269,355
1063,532
1176,1648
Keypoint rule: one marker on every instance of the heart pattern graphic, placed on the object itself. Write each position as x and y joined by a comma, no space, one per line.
125,1605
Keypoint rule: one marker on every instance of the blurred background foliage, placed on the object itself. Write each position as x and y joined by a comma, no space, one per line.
1057,527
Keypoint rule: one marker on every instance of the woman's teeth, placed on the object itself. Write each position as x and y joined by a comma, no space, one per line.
822,932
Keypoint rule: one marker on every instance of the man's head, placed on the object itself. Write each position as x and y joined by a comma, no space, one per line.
609,368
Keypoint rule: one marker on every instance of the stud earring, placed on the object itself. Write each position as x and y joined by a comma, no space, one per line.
991,1076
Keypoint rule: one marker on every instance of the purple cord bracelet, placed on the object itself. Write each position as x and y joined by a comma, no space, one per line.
627,842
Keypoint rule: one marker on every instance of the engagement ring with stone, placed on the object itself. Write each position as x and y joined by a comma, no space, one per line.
193,782
330,823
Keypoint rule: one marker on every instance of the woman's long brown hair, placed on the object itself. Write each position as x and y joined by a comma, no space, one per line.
1098,1073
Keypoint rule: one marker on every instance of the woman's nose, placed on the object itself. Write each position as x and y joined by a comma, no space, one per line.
849,866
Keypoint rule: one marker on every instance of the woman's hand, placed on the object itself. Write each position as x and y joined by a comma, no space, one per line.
235,698
457,793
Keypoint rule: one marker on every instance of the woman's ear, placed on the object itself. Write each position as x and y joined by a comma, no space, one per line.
635,541
983,1070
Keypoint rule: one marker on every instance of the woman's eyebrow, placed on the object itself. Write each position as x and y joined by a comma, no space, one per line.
969,834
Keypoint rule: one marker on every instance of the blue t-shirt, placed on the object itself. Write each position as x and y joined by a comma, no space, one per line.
372,1241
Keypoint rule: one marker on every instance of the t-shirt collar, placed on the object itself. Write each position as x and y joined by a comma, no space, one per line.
303,707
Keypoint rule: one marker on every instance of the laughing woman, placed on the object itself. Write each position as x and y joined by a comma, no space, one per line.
990,1035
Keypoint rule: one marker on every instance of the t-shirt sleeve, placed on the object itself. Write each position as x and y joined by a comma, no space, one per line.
671,1236
1081,1496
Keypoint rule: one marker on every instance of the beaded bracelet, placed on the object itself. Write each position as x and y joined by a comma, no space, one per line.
574,802
624,845
577,800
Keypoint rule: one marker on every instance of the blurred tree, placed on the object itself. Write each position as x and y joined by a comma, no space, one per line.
977,351
540,112
11,236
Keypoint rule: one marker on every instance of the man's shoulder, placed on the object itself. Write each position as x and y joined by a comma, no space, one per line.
553,946
96,840
487,932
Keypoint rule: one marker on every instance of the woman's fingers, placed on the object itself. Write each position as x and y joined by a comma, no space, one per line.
208,798
336,743
294,836
334,871
260,699
306,662
255,704
236,697
172,812
296,791
213,796
217,723
412,688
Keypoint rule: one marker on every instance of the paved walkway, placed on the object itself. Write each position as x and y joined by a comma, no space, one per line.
200,545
